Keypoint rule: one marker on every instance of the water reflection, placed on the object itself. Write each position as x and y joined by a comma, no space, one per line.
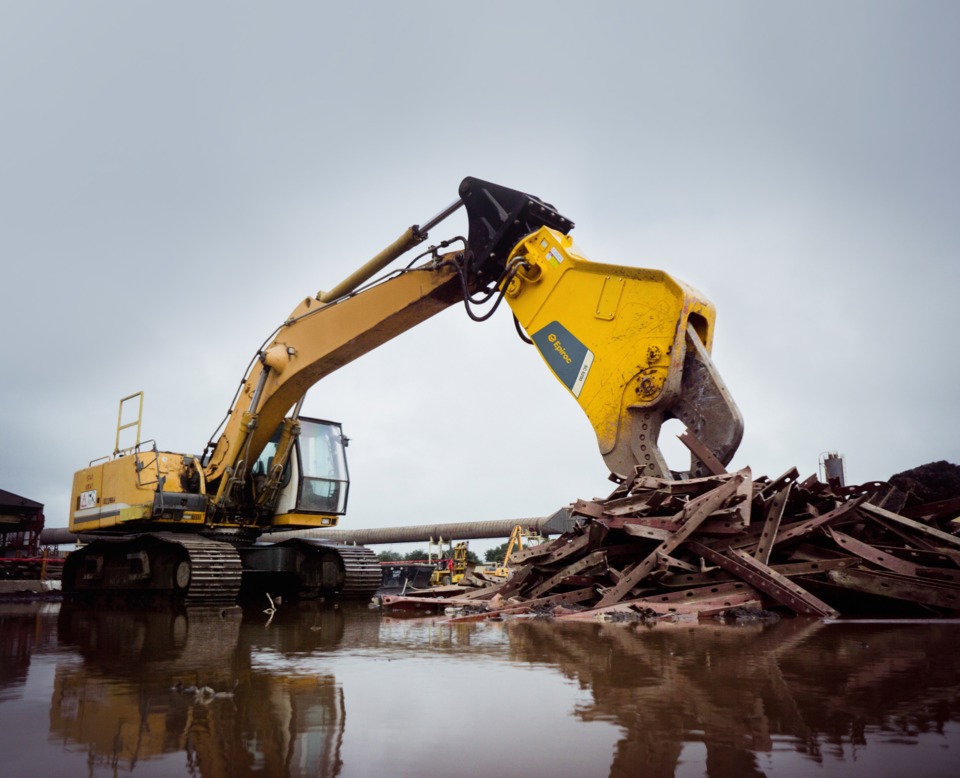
24,629
801,685
231,693
161,682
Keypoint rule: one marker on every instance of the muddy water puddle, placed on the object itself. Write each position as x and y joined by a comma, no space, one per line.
345,691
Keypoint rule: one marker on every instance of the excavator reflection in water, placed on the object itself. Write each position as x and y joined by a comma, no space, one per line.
630,345
157,682
733,700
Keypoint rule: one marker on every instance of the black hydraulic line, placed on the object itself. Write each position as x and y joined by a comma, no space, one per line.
520,332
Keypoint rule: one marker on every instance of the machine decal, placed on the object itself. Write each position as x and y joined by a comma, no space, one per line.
88,499
567,356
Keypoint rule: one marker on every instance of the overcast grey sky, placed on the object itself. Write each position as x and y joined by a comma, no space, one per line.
175,177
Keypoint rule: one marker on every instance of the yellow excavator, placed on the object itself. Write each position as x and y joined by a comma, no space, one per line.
514,543
452,569
630,345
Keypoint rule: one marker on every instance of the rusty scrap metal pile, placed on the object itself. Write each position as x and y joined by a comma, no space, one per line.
708,546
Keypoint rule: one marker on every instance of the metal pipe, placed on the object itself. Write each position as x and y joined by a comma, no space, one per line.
422,533
559,522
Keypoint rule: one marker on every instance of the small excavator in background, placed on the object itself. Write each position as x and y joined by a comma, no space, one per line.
518,536
630,345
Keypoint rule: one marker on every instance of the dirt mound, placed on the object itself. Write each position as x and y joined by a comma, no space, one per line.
932,482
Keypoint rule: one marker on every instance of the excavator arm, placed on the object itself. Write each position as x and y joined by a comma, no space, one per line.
631,345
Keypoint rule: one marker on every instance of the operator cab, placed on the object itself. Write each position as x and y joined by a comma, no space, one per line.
315,480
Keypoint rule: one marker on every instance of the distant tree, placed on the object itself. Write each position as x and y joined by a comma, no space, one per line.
496,554
418,555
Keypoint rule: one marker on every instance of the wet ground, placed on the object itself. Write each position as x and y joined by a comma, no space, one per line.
324,691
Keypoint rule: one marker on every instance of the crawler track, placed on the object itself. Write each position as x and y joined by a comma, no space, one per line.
158,565
215,570
362,571
200,571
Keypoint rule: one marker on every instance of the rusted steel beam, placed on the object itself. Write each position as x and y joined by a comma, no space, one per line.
802,528
641,529
708,608
696,512
870,554
910,539
931,533
667,561
701,606
568,549
778,484
780,588
516,581
483,593
787,570
939,575
538,551
625,506
747,538
720,522
898,587
687,486
701,452
808,552
743,501
566,598
751,536
595,559
589,508
771,524
688,580
700,593
943,510
409,603
797,569
922,557
622,522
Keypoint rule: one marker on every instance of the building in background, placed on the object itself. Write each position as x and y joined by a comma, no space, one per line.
21,521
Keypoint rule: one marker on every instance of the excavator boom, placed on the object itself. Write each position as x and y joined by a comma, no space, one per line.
631,345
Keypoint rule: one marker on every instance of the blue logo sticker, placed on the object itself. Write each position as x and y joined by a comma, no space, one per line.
566,355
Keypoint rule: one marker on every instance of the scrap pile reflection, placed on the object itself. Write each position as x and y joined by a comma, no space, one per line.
800,685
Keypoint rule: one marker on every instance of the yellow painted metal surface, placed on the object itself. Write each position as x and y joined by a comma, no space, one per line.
613,335
318,339
122,490
303,521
